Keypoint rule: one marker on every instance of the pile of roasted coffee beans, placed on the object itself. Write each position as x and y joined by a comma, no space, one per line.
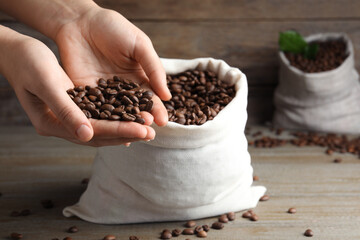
332,142
197,96
331,54
200,231
113,99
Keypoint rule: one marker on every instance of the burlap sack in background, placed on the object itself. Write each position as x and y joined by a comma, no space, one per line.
326,101
187,172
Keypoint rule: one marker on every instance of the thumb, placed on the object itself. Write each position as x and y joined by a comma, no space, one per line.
150,62
70,115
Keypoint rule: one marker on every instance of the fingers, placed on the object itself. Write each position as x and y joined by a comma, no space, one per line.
146,56
117,129
159,112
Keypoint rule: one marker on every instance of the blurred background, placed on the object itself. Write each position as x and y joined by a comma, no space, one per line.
243,33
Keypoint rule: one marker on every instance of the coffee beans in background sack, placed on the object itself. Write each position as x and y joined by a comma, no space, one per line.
115,99
331,54
197,97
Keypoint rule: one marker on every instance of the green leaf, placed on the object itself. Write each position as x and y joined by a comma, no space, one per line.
311,50
292,41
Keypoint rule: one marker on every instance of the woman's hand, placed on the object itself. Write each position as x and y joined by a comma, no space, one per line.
40,85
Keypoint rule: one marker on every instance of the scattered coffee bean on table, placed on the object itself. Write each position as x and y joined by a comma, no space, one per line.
47,203
255,178
113,99
331,54
254,217
109,237
190,224
264,198
25,212
188,231
217,225
1,194
73,229
67,238
198,229
292,210
197,97
223,218
246,214
16,236
206,227
176,232
166,235
337,160
231,216
133,238
201,234
308,233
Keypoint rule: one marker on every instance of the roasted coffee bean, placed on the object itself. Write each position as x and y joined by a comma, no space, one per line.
231,216
73,229
87,113
176,232
140,120
54,239
47,203
217,225
128,117
292,210
198,229
148,95
201,234
190,224
104,115
337,160
254,217
1,194
247,214
25,212
223,219
67,238
16,236
114,117
206,227
264,198
109,237
255,178
133,238
308,233
166,235
108,107
94,92
188,231
149,106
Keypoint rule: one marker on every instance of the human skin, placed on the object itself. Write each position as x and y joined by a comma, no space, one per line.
93,42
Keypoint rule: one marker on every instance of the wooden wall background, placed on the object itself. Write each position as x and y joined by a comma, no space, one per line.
243,33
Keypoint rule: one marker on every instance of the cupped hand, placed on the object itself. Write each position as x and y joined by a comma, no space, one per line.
102,43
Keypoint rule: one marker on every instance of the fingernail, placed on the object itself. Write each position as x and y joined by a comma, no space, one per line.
83,133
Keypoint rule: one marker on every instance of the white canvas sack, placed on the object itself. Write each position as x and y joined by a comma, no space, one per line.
186,172
326,101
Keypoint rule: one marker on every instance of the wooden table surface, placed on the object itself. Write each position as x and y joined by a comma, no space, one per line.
325,194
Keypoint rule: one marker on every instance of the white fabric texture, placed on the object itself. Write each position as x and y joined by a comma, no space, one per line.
186,172
325,102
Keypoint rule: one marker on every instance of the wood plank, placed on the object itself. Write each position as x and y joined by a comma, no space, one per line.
251,46
325,194
228,9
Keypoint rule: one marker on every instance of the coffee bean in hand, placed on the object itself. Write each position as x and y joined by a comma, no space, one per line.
114,99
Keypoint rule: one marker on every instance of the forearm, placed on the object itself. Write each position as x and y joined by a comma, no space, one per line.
46,16
9,39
